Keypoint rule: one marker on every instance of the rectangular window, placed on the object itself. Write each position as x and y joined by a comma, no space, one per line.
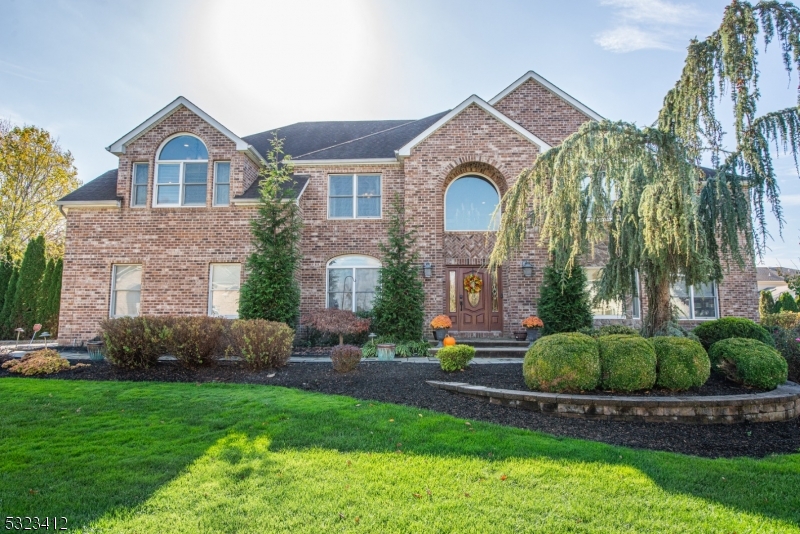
139,188
126,290
181,184
354,196
604,310
222,183
695,302
223,297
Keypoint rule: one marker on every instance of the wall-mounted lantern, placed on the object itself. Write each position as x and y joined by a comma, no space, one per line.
527,269
427,269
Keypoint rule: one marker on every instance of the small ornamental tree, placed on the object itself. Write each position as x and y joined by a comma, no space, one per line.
271,291
399,305
766,303
336,322
564,301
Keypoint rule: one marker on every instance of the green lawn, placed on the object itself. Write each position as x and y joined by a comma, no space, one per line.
153,457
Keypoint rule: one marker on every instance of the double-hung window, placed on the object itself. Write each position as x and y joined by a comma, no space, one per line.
223,295
695,302
139,187
126,290
222,183
181,173
354,196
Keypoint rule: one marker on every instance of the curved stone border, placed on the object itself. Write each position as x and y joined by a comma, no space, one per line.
781,404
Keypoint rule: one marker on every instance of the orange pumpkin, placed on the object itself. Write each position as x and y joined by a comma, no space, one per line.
448,341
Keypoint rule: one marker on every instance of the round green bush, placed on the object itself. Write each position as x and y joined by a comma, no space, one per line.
627,363
681,363
749,362
562,362
455,357
712,331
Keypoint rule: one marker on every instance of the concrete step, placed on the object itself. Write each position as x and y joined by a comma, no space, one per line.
488,342
493,351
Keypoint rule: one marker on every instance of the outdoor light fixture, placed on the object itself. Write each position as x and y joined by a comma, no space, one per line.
45,335
427,267
527,269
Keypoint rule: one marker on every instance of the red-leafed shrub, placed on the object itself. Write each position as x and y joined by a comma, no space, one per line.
336,322
345,358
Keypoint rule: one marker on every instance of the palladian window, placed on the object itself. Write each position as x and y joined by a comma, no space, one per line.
351,282
469,204
182,173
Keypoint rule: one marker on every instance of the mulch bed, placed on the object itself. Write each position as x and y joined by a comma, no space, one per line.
404,383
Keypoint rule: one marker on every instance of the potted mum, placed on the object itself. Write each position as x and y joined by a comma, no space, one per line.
440,325
533,325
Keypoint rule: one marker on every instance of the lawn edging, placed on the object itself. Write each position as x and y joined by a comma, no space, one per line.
781,404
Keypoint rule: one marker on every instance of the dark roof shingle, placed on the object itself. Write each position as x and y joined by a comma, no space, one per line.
104,187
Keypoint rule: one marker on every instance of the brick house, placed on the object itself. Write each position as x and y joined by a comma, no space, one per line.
167,231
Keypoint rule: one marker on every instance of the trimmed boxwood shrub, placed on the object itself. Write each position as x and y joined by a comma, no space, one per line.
455,357
627,363
749,362
345,358
135,342
712,331
562,362
681,363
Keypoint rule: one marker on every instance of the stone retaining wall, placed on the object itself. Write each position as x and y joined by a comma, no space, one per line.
781,404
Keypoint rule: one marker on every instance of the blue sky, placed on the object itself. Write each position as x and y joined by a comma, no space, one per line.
90,71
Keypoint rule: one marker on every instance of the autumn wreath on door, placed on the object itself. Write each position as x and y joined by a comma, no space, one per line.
473,285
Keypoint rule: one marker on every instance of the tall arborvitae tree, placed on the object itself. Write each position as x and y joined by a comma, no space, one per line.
642,191
54,296
766,303
6,268
271,291
29,286
399,305
8,319
564,301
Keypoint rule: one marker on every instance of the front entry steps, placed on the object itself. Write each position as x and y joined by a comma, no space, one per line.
497,347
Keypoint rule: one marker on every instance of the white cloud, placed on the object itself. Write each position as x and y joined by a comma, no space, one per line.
790,200
647,24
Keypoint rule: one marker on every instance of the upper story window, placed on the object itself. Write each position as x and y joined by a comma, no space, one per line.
139,186
352,281
469,203
695,302
222,183
181,172
354,196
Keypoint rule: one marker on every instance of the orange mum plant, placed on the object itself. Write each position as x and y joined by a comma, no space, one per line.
532,321
441,321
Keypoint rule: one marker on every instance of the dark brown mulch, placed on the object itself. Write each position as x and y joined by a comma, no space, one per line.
404,383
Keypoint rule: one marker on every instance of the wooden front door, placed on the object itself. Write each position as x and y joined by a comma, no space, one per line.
473,310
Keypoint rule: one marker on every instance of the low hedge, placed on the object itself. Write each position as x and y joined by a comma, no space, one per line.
135,342
728,327
610,330
749,362
562,362
260,343
627,363
345,358
681,363
455,357
195,341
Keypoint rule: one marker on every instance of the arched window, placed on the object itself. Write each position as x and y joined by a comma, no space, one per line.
352,281
181,172
469,203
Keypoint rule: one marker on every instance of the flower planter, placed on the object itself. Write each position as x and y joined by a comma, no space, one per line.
386,351
439,334
533,334
521,336
96,350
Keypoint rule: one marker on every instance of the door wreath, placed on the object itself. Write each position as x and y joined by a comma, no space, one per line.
473,285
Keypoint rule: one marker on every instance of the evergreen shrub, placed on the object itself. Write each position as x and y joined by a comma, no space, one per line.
712,331
786,302
260,343
627,363
28,297
345,358
783,319
610,330
681,363
766,303
749,362
564,308
455,357
562,362
787,344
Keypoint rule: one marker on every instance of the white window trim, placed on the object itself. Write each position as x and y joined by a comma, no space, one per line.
113,299
355,196
214,186
134,185
691,305
211,291
181,166
353,268
444,213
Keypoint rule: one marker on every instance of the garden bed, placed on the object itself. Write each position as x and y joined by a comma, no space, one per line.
405,383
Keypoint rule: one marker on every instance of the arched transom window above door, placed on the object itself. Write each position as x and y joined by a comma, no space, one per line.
181,172
351,282
469,203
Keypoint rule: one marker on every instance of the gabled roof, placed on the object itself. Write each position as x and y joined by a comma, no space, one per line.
252,195
119,146
530,75
405,150
100,191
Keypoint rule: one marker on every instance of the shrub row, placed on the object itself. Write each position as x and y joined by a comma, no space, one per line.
137,342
